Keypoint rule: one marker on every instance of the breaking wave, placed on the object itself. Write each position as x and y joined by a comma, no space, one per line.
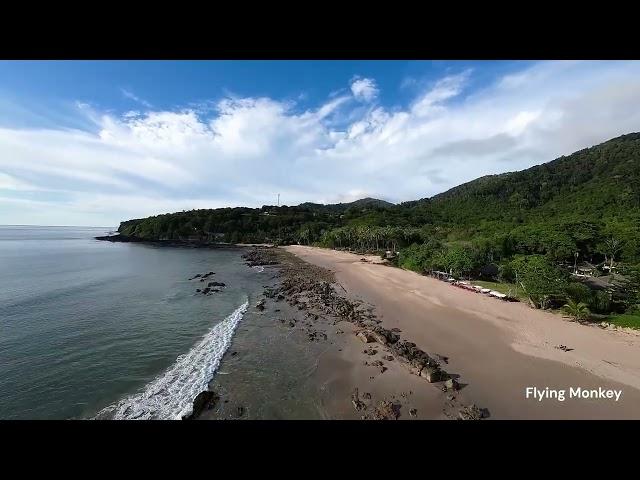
170,396
258,268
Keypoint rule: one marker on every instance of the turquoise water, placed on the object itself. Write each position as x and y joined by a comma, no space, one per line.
86,324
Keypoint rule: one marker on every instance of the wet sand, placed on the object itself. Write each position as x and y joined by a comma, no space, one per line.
497,348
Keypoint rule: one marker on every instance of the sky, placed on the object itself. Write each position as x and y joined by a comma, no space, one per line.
93,143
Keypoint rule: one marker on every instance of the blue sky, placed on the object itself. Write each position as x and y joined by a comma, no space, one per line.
97,142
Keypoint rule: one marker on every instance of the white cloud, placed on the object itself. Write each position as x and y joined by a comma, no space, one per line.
243,151
364,89
132,96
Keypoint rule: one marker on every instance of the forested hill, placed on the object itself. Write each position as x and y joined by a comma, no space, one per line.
571,203
595,182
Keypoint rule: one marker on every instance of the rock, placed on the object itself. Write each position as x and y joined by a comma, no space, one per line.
198,290
386,410
338,332
365,336
206,290
388,358
204,400
472,412
366,396
356,402
413,412
451,384
240,411
370,351
431,374
260,305
384,336
216,284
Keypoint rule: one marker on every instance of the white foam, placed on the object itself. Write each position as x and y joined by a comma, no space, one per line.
258,268
170,396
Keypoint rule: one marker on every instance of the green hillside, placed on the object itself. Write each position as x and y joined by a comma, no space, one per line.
535,221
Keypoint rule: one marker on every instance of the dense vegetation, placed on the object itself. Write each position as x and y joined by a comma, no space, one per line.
524,228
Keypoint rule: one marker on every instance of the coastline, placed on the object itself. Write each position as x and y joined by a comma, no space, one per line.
318,300
498,348
351,366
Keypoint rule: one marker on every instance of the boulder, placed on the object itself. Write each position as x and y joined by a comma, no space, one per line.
365,336
451,384
204,400
431,374
472,412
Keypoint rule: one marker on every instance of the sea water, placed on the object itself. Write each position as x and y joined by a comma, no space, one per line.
114,330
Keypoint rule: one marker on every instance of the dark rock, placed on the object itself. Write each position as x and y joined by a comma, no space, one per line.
473,412
451,384
260,305
431,374
356,402
240,411
365,336
204,400
413,412
386,410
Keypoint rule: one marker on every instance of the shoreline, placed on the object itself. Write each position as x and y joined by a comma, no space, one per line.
360,370
498,348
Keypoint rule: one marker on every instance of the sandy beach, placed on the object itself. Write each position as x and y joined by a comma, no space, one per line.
497,348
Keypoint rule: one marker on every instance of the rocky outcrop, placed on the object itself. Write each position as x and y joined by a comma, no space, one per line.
204,400
472,412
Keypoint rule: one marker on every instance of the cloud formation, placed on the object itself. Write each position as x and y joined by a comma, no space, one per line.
244,151
132,96
364,89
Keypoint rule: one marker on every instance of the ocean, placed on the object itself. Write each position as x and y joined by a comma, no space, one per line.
94,329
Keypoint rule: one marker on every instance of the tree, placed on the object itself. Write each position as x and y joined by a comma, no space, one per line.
540,280
613,246
579,311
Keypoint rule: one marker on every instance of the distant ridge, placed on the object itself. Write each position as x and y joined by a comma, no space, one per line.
367,202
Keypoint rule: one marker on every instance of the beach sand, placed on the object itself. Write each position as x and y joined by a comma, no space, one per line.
497,348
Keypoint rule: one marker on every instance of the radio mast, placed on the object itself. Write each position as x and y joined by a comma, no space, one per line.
278,199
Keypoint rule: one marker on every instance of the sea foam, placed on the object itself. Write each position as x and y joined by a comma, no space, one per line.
170,396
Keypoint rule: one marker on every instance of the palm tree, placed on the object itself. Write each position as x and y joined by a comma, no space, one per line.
579,311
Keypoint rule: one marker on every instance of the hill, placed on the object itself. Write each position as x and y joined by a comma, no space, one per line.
575,203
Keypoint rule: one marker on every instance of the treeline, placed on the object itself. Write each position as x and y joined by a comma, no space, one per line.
537,220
